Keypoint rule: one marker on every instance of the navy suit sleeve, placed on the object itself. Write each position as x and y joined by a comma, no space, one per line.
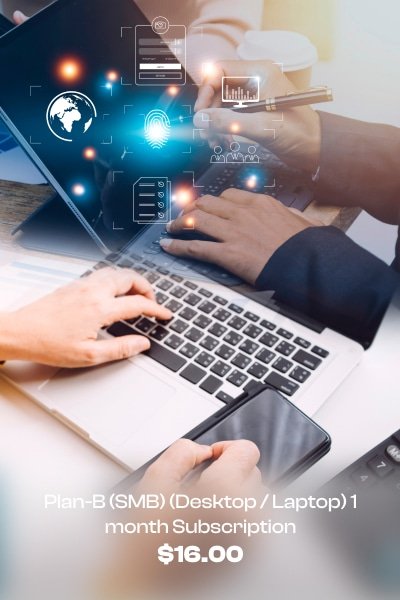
324,274
320,271
359,166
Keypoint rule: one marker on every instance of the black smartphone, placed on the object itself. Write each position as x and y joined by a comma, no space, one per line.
288,440
5,24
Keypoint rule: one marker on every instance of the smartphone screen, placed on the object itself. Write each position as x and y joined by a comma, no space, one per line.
288,440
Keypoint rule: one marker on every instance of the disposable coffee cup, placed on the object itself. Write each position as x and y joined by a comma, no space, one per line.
291,50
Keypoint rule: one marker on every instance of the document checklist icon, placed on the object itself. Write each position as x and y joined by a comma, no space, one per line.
152,200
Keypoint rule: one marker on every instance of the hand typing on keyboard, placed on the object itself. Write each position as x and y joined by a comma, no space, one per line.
248,228
62,328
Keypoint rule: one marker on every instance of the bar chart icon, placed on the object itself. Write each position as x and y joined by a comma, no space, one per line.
240,90
152,200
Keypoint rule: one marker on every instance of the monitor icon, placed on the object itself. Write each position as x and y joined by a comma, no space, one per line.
240,90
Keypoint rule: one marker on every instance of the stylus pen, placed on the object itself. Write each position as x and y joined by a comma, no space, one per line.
291,100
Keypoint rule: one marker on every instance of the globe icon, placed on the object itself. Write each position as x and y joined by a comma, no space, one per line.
70,115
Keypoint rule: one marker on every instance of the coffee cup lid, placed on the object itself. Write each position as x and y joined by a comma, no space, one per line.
289,48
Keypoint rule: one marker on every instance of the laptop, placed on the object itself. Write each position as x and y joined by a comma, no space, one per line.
101,105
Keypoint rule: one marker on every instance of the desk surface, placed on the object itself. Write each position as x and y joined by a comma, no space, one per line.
26,428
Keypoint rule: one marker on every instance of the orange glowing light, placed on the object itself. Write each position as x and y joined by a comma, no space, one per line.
235,127
69,69
89,153
209,69
112,76
190,223
173,90
183,197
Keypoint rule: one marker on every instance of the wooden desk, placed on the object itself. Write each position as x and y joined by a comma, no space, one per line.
18,201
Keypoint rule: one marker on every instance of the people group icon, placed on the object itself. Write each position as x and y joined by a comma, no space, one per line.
252,156
235,155
217,157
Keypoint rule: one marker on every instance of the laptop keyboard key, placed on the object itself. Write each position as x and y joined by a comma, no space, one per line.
178,292
193,374
120,329
164,285
190,285
188,313
159,333
320,352
221,314
225,352
302,342
252,317
220,368
161,298
233,338
236,308
174,306
224,397
165,357
217,330
194,335
265,356
174,342
204,359
202,321
249,347
237,378
209,343
300,375
179,326
220,300
152,277
241,361
205,293
207,307
282,365
307,360
268,325
189,350
257,370
145,325
281,384
252,331
237,323
285,334
211,384
268,339
285,348
192,299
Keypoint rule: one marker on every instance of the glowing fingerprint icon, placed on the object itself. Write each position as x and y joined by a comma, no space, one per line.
157,128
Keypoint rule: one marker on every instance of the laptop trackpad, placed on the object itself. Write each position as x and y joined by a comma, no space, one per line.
109,402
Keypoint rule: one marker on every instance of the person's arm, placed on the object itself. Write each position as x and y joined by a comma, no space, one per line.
316,270
324,274
218,30
62,329
359,166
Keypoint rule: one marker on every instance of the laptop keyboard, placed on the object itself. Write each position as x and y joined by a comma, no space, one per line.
217,345
286,189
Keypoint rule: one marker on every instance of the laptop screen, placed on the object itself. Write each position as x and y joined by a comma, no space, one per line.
104,103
